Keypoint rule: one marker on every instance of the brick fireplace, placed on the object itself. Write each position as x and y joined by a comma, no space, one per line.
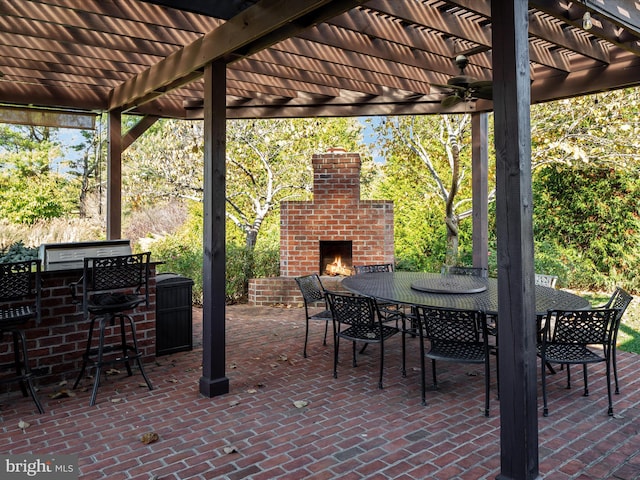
329,234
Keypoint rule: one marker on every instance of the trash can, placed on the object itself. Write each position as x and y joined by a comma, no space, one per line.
174,319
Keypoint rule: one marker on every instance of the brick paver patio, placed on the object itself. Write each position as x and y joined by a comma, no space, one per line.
349,429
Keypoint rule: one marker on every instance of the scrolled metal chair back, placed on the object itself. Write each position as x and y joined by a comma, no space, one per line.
471,271
18,279
451,325
105,274
353,310
383,267
311,288
580,327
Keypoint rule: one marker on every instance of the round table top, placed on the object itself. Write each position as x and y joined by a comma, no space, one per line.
405,288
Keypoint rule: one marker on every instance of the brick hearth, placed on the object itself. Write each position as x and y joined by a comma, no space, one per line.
336,214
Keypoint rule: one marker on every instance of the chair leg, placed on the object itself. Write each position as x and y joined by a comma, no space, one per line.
586,382
306,337
137,352
336,347
17,361
96,380
123,342
354,361
87,353
433,374
615,368
487,381
404,349
326,329
545,411
27,369
610,408
568,376
422,372
381,363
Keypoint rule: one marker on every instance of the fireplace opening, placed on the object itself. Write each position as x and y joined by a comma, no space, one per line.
336,258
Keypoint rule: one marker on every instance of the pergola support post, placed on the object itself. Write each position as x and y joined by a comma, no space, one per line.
213,381
114,175
516,297
479,179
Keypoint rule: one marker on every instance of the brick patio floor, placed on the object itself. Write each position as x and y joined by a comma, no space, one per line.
349,429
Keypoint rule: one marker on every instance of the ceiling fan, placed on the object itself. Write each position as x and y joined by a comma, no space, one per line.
463,87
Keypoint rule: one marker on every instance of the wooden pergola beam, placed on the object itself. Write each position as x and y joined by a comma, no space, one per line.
258,27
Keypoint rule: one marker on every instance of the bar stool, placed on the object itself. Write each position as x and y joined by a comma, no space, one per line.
111,287
20,302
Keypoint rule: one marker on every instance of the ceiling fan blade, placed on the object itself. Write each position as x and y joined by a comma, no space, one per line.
486,94
481,84
447,87
451,100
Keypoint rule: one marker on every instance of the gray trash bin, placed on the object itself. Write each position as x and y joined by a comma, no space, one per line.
174,319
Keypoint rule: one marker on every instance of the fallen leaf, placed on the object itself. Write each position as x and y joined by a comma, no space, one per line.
233,403
252,390
233,365
172,380
300,403
116,400
113,371
149,437
22,425
64,393
62,383
230,449
283,358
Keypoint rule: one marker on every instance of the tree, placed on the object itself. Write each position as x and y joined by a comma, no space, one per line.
601,129
268,161
30,189
441,143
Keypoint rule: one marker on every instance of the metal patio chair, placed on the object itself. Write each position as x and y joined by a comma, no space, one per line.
546,280
112,288
454,335
390,311
313,294
20,292
619,300
457,270
568,338
357,319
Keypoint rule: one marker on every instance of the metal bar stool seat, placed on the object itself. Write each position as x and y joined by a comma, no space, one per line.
107,297
20,282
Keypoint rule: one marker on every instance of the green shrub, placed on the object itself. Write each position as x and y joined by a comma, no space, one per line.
18,253
587,226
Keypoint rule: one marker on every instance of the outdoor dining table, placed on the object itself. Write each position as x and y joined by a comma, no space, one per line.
452,291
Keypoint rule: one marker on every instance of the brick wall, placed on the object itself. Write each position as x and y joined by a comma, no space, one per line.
336,214
56,345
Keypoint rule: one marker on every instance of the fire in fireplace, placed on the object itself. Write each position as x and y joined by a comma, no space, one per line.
336,258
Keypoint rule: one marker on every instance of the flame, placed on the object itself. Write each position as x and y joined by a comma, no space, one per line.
337,268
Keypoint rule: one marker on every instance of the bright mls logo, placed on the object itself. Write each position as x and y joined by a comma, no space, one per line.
52,467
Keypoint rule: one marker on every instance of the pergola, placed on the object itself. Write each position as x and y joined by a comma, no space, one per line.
63,61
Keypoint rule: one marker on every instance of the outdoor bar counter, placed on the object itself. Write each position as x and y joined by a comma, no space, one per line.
56,345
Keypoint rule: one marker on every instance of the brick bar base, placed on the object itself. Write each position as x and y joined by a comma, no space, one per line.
284,290
56,345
